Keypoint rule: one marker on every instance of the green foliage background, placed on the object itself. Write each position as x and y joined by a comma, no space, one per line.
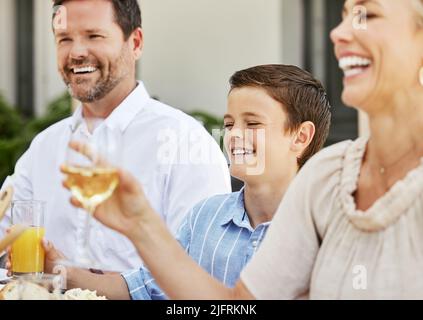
17,132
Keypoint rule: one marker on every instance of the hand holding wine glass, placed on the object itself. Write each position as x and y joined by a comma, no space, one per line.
125,208
93,154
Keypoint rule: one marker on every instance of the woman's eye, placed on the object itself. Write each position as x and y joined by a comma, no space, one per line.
364,15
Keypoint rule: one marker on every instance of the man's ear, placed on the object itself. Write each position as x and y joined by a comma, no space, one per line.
137,43
303,137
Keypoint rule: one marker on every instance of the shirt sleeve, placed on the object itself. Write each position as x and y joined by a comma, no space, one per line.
141,284
282,267
195,179
21,183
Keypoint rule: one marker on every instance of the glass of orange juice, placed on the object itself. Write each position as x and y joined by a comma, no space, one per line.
27,253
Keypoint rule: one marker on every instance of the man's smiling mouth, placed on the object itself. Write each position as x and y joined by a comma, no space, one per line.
84,70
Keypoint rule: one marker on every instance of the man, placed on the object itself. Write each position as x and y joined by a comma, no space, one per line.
98,43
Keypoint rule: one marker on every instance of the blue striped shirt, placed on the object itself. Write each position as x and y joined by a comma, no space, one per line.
218,235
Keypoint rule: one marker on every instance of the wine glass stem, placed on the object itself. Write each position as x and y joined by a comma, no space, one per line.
85,245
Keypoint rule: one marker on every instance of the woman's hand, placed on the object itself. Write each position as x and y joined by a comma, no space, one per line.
125,208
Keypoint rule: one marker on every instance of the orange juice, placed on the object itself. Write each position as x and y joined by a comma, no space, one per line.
28,252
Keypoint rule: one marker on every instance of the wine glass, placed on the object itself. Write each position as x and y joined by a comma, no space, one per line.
92,174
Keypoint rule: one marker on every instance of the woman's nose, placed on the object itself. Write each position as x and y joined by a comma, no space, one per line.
343,32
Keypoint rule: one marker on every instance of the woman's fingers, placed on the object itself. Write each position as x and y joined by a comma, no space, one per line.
76,203
83,149
87,151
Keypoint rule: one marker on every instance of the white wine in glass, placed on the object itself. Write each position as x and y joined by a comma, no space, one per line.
91,186
91,173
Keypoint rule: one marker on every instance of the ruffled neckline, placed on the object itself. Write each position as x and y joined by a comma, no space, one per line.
388,208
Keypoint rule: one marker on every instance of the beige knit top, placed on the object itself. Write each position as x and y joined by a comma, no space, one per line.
320,246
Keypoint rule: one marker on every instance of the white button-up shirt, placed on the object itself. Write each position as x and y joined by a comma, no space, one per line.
177,162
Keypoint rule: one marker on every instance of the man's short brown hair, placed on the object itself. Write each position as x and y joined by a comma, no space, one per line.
127,14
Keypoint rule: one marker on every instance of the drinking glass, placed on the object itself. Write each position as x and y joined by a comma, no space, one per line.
91,174
27,254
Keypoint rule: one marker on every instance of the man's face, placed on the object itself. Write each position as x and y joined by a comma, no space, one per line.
93,57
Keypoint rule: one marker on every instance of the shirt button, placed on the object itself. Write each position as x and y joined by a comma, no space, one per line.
255,244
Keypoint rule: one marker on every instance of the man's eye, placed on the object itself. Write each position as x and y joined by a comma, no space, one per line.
95,36
63,40
252,124
228,125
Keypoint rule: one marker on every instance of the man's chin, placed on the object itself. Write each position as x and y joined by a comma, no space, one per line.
82,95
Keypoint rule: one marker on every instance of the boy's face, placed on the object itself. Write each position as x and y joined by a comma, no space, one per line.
255,139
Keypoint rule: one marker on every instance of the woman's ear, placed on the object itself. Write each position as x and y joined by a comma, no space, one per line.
303,137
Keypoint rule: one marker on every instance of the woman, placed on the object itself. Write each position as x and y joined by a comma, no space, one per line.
350,225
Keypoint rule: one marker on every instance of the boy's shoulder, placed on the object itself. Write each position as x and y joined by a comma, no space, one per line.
214,208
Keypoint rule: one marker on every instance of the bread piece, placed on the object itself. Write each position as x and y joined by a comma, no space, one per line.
79,294
10,291
16,290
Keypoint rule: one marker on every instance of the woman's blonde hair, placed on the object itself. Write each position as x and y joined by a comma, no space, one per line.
418,5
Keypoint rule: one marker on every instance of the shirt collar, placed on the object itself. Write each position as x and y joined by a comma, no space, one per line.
236,211
122,116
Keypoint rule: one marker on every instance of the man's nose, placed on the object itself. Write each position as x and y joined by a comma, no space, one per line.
78,51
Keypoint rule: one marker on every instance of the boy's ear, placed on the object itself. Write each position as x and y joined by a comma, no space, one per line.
303,137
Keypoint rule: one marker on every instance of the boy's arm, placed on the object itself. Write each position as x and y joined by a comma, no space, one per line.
141,283
111,285
135,284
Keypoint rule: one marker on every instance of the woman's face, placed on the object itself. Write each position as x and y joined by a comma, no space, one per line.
380,49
